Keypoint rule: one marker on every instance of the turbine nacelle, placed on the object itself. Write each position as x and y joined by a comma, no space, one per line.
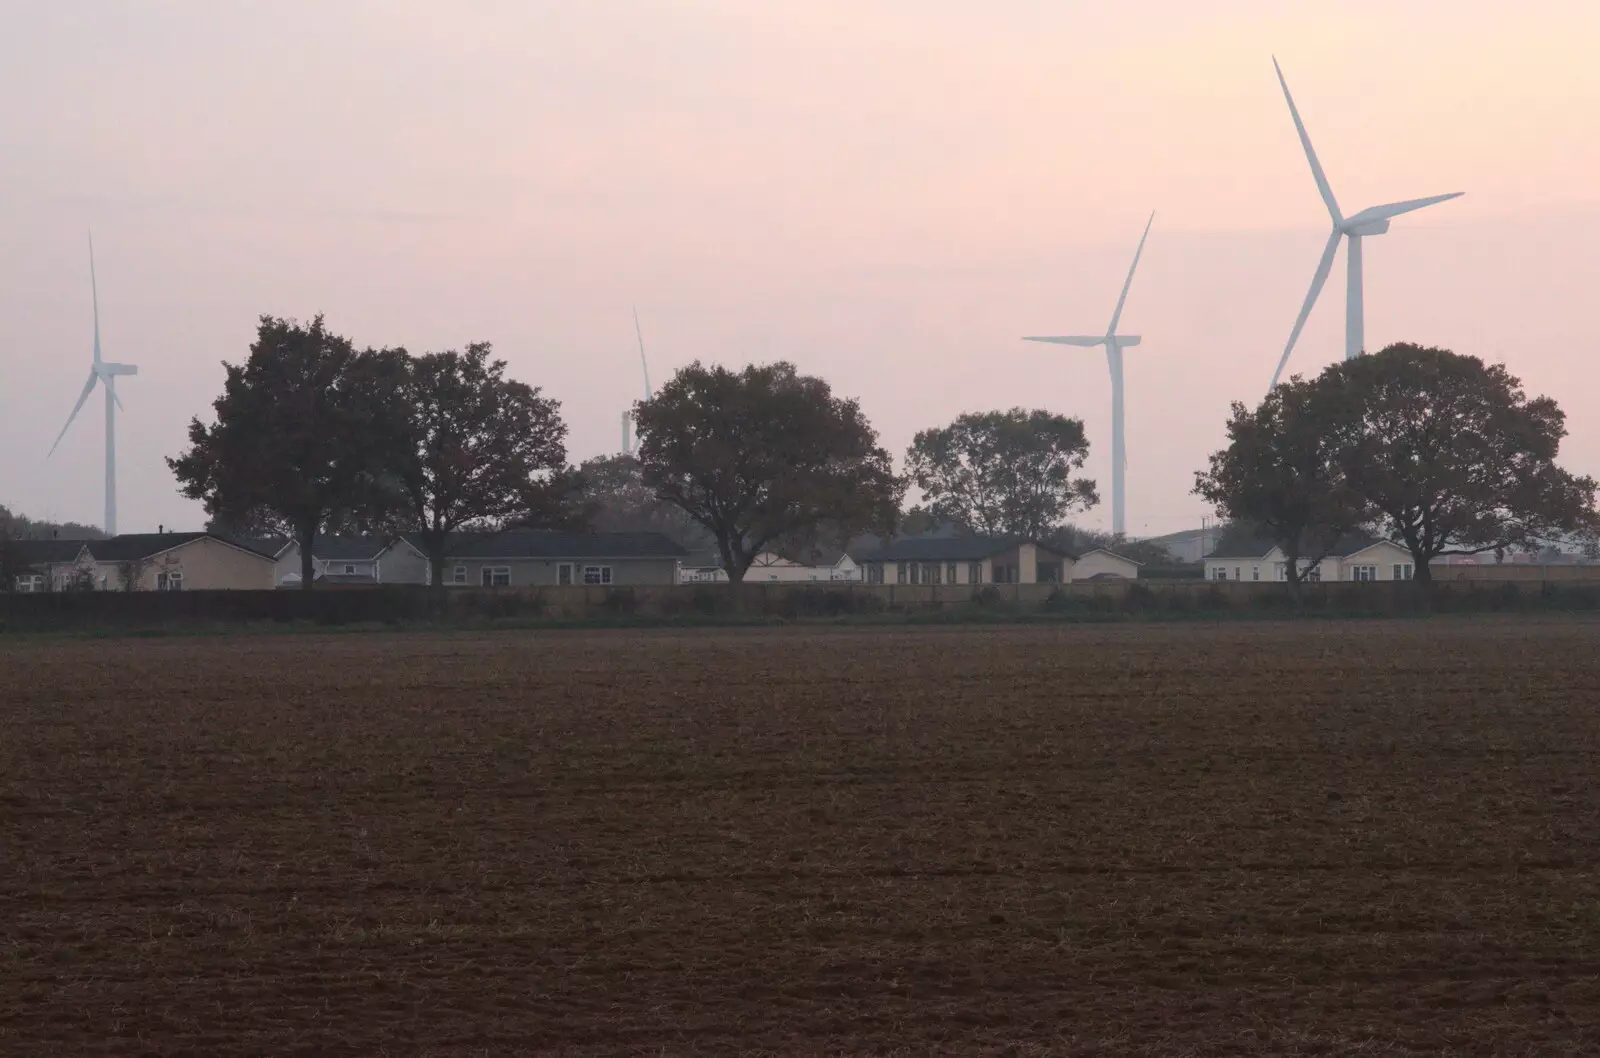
105,370
1369,227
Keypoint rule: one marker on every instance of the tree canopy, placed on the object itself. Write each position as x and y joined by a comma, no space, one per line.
305,432
476,446
1452,455
1003,471
1284,472
763,457
615,499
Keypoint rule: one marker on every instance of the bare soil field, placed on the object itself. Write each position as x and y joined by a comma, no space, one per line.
1308,838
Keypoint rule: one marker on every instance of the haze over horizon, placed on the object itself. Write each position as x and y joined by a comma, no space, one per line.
890,195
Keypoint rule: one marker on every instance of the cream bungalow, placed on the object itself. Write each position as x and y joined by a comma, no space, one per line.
965,560
1352,560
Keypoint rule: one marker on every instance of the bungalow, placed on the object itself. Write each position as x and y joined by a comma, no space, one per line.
965,560
51,565
1353,559
528,557
771,567
177,562
354,560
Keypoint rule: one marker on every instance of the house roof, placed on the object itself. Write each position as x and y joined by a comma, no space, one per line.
47,552
274,546
1243,547
1113,554
132,547
946,549
552,544
349,548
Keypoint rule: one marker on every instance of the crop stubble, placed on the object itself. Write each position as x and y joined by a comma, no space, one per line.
1187,839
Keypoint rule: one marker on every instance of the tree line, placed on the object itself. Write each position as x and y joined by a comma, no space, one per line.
1436,451
312,435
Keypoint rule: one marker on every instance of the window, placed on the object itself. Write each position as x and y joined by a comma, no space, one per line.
900,574
31,582
914,571
1219,572
875,573
349,569
1313,574
458,575
1283,570
169,582
1255,572
597,574
564,573
496,576
1363,572
931,573
950,573
975,573
1402,571
1238,574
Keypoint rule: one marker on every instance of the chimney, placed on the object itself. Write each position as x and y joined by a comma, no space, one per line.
160,529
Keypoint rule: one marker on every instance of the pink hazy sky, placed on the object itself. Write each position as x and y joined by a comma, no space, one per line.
887,192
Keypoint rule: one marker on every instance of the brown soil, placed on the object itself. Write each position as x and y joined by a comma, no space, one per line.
1208,840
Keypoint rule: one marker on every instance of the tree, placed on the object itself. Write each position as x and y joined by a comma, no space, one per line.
1283,472
615,499
478,446
305,433
1005,472
765,456
1453,456
1071,539
13,563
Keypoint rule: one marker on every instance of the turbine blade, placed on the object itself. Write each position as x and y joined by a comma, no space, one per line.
1323,268
94,288
1311,154
88,387
1087,340
111,389
1394,209
1117,315
648,395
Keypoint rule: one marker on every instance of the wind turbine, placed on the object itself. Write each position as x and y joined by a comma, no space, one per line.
105,373
627,416
1114,344
1371,221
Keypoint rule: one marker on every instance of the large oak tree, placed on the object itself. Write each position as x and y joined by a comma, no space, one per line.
1007,472
764,457
479,448
305,434
1451,453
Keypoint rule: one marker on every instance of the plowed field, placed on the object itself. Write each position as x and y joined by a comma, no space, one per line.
1300,839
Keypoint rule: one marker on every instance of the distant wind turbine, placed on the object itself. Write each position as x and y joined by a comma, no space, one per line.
627,416
105,373
1371,221
1114,344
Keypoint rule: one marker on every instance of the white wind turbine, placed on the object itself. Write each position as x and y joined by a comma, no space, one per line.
1114,344
106,373
1371,221
627,416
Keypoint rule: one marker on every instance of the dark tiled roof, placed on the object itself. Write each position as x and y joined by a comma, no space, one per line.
266,545
132,547
47,552
349,548
551,544
944,549
1256,545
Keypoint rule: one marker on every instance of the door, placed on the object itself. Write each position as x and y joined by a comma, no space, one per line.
564,573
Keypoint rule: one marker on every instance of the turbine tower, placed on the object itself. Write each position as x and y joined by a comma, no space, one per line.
1114,344
1371,221
627,416
105,373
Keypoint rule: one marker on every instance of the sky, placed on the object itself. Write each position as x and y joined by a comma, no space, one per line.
888,193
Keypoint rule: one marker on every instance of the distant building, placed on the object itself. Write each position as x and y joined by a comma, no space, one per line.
1354,559
986,560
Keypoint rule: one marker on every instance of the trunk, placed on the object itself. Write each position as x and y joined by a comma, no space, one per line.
308,562
1422,572
1291,570
436,568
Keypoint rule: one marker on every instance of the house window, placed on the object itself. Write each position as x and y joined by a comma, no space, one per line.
1363,572
1313,574
350,570
458,575
914,572
975,573
169,582
32,582
1237,573
564,573
950,573
1219,572
496,576
931,573
597,574
1402,571
900,574
1255,572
